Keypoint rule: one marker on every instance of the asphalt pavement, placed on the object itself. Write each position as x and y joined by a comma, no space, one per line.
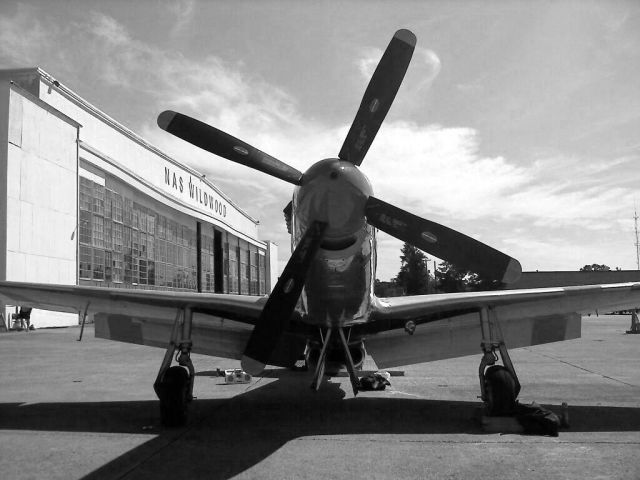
87,409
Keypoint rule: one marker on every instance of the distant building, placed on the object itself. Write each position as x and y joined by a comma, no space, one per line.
573,278
86,201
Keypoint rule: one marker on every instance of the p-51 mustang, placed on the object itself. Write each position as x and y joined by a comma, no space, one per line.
323,307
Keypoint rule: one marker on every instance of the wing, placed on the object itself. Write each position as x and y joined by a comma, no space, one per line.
448,325
222,323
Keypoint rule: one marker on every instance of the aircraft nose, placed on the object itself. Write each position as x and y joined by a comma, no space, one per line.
334,192
345,210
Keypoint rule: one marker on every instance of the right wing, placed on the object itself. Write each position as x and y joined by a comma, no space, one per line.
448,325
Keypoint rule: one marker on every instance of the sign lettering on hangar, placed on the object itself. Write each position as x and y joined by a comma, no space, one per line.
194,192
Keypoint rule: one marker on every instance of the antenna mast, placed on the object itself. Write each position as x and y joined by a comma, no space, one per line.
635,219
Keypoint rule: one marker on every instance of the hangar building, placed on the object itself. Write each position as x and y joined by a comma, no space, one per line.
86,201
572,278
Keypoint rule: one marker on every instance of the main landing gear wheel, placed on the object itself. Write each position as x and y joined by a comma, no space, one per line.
173,392
500,391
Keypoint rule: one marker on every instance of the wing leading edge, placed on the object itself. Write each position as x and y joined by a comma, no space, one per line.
222,323
448,325
72,298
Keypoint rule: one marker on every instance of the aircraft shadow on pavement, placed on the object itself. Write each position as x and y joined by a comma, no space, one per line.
228,436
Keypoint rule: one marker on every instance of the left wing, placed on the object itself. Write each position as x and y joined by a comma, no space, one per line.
448,325
222,323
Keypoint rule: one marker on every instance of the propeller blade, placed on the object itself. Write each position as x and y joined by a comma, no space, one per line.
276,313
378,96
443,242
220,143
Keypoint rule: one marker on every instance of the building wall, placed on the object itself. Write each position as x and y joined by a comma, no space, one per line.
5,89
40,220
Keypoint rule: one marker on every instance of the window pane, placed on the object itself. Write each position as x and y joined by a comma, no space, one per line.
86,194
98,264
117,207
84,237
98,199
97,231
85,260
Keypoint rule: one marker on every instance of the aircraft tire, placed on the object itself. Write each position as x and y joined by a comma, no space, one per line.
174,398
500,391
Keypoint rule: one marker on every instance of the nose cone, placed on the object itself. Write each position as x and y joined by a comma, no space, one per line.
335,192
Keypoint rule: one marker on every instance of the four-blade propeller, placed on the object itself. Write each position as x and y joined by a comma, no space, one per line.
440,241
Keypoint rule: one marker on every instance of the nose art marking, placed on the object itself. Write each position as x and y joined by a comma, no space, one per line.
241,150
429,237
289,285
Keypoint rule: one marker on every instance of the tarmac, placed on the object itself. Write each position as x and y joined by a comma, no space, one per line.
87,409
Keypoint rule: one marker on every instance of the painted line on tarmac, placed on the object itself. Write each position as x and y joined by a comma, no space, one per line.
398,392
551,357
503,439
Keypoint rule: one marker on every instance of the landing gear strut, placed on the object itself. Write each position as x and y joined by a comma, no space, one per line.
499,384
174,385
320,367
635,323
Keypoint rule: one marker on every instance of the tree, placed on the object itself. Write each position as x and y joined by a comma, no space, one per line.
387,289
594,267
413,276
450,279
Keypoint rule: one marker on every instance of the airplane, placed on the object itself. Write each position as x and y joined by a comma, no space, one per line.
323,308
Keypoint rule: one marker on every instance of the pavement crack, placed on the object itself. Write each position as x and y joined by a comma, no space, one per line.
551,357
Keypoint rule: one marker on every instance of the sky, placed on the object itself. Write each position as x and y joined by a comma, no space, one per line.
518,123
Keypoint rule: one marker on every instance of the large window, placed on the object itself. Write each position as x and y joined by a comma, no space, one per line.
118,267
98,199
262,271
232,267
122,241
98,264
86,194
253,269
116,207
207,274
97,230
84,235
85,261
244,267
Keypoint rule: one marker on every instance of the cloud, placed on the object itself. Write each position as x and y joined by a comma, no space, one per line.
444,166
456,180
423,71
368,61
22,37
425,67
183,12
526,205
